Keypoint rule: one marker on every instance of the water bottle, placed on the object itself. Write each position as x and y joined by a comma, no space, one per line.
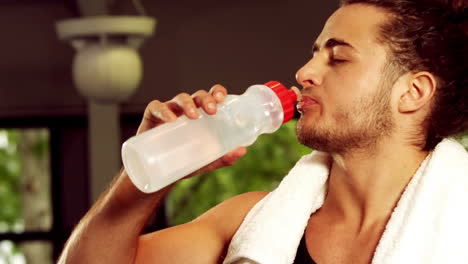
162,155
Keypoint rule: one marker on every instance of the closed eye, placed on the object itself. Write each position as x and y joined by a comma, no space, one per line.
334,61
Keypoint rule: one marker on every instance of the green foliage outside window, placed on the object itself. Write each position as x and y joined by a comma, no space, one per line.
267,161
463,139
10,203
10,209
17,148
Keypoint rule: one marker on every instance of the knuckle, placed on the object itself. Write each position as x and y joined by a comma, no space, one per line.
153,111
181,97
200,93
208,99
184,95
187,103
154,103
154,106
198,96
219,88
183,100
213,88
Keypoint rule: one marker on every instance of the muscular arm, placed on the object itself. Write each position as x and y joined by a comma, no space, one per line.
109,233
202,241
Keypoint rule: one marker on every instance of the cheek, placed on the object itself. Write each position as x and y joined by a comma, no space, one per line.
344,91
350,84
357,83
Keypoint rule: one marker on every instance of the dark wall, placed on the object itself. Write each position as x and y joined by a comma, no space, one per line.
197,44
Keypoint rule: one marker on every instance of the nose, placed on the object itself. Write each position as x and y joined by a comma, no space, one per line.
310,74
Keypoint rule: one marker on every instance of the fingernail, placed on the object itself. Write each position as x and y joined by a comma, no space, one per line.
211,106
219,95
192,112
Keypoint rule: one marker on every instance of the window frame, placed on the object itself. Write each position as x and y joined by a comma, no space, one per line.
61,226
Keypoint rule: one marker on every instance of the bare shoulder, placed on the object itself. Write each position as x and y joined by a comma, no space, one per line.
227,216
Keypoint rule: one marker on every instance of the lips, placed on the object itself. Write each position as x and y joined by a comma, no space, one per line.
305,103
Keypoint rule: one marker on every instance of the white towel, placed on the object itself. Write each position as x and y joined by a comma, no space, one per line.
428,225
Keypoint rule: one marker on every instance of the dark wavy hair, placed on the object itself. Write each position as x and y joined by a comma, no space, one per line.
431,35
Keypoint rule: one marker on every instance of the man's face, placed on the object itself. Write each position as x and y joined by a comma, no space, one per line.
346,92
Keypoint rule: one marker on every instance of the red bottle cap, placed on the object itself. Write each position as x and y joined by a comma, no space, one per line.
287,98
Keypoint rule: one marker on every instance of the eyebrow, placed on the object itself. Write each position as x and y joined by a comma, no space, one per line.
331,43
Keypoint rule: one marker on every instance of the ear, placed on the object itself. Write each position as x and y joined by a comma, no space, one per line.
420,89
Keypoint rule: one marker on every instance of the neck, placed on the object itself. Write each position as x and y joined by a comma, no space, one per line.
365,185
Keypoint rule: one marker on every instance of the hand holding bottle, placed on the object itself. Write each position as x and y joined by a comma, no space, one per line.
158,113
164,154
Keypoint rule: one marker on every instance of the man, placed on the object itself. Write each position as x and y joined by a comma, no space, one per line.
386,83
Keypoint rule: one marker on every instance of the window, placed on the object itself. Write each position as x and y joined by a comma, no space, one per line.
25,197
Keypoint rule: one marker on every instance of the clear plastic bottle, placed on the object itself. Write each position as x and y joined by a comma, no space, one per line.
171,151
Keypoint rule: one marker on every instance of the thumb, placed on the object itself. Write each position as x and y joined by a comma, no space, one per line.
227,160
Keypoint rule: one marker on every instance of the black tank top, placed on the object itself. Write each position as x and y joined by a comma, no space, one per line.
302,255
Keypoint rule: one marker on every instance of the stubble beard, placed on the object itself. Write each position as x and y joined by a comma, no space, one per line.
359,128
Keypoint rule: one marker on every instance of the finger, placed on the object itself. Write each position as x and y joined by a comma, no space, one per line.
157,110
219,92
185,101
230,158
175,108
225,161
165,111
155,114
206,101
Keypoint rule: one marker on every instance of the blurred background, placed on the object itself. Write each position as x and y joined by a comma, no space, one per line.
58,150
